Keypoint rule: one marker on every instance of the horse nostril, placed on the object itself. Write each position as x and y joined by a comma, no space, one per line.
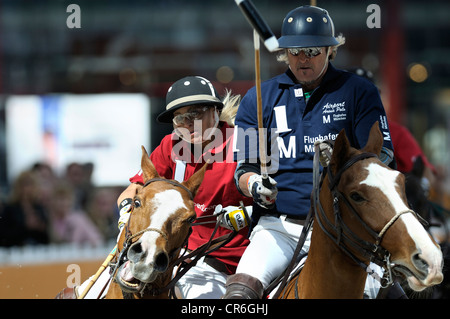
161,262
135,253
420,264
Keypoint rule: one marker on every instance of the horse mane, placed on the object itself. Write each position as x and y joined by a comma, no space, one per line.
231,104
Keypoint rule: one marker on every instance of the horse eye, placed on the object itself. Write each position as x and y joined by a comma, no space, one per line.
137,203
190,220
356,197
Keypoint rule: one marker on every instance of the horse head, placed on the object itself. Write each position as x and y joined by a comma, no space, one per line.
375,196
158,227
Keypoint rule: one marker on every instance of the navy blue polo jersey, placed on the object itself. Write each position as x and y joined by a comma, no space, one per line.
343,100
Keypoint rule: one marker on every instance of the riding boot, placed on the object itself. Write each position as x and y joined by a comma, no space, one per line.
67,293
243,286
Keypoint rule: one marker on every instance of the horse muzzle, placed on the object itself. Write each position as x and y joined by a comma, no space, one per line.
126,280
423,271
141,268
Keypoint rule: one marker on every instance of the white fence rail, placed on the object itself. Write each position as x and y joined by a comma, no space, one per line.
53,253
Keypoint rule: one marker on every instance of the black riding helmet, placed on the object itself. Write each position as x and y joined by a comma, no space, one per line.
190,90
307,26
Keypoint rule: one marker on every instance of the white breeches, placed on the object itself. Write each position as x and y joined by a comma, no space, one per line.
272,245
201,282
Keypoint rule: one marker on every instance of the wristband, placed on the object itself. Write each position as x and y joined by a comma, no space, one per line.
249,182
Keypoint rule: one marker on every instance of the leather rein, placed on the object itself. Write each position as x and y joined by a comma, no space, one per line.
186,260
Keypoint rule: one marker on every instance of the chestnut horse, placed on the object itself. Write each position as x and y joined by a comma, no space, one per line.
157,229
361,215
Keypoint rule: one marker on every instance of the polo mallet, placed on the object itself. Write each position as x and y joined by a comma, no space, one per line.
98,273
260,29
259,24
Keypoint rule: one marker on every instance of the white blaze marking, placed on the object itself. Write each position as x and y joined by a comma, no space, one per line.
165,204
385,180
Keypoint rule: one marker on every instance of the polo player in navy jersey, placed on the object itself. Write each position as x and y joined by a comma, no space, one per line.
311,101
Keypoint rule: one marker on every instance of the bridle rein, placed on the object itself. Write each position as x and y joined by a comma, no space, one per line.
343,236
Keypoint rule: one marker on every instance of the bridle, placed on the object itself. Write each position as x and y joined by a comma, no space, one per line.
129,237
343,236
185,262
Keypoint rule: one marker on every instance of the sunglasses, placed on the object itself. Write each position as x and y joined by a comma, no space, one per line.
190,116
309,52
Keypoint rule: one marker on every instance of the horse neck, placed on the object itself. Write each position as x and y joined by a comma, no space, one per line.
328,272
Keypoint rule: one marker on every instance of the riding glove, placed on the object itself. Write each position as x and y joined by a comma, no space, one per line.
234,217
325,152
262,195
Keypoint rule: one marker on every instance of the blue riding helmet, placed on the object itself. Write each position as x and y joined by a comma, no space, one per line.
307,26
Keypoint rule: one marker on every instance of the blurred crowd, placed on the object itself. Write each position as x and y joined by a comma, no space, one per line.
44,208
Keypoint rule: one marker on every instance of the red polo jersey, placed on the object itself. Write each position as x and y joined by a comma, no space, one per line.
217,187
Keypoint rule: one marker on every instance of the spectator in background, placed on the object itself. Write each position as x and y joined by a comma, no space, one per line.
79,177
103,211
69,225
46,180
24,220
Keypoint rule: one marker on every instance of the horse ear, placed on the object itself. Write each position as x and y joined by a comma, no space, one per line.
341,150
375,141
148,169
193,183
418,167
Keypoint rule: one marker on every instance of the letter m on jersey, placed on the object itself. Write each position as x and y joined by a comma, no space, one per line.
290,151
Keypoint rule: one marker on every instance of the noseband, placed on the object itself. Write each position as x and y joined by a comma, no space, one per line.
343,236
